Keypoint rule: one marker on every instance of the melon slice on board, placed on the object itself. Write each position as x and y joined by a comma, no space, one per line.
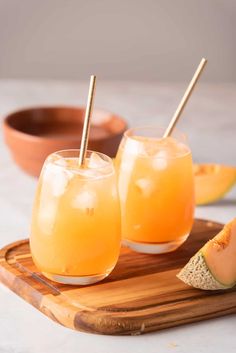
214,265
212,182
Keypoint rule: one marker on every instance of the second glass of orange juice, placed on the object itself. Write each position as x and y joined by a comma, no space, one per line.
75,234
155,181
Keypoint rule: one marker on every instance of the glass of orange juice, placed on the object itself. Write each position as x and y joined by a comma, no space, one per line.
75,233
155,182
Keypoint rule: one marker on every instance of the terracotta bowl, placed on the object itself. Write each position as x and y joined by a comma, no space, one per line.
32,134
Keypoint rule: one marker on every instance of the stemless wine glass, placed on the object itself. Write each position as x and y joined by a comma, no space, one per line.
156,188
75,234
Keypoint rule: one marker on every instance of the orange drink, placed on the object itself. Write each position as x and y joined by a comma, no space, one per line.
155,182
75,234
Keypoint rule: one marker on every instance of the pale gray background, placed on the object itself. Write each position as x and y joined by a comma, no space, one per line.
160,40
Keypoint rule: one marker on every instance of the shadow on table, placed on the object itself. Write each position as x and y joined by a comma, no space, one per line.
224,203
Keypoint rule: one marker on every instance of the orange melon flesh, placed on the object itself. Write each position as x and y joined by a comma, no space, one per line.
214,265
212,182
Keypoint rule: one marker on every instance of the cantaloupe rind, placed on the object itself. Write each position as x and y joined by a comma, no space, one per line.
197,274
213,267
212,182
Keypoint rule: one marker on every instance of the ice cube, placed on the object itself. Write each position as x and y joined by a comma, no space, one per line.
164,153
62,162
146,186
88,173
60,183
57,178
181,148
47,213
133,147
52,158
85,199
160,160
159,163
95,161
151,147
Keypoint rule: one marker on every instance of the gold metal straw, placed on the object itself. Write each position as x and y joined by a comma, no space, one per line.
87,119
185,98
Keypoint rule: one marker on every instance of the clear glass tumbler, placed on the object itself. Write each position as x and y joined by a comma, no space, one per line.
156,188
75,234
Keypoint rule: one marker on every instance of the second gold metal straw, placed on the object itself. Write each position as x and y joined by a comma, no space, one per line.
185,98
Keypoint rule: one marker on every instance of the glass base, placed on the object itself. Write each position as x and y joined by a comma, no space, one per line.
76,280
154,248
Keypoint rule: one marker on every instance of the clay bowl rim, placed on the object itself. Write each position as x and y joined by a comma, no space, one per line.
24,135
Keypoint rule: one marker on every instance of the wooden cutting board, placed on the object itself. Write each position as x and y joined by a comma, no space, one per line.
141,295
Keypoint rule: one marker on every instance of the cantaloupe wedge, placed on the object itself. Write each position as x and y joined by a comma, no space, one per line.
214,265
212,182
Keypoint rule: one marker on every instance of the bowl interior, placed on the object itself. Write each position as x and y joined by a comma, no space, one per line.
65,123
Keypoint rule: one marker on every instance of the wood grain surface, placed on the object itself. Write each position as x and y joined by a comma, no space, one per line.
142,294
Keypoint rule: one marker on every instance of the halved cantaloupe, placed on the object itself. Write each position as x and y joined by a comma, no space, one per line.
214,265
212,182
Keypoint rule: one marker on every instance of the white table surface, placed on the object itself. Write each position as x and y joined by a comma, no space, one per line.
210,122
